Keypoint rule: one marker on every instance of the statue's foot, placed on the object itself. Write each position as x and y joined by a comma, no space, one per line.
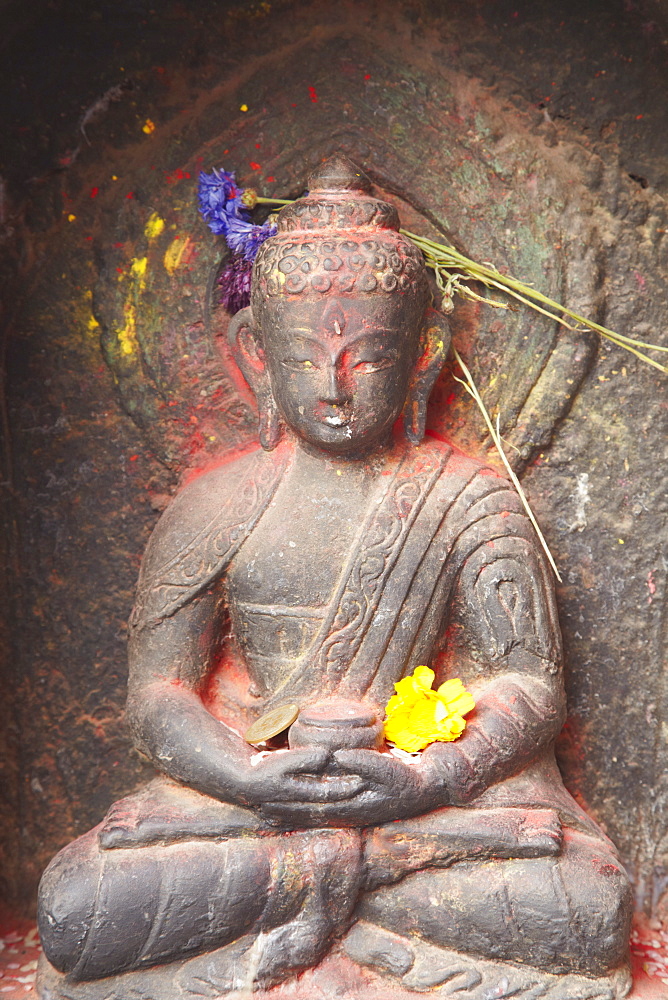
543,833
423,967
255,962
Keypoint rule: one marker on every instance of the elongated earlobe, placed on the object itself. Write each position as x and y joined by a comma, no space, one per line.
249,356
435,342
269,424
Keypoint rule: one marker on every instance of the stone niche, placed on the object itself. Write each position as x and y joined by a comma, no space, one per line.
490,125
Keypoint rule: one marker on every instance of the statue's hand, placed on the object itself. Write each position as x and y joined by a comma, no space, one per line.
388,789
295,778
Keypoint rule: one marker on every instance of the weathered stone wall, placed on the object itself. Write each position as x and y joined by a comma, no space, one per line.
531,136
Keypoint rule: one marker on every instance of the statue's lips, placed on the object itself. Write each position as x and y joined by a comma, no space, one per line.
334,416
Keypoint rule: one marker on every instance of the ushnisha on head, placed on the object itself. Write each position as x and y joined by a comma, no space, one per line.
339,338
339,240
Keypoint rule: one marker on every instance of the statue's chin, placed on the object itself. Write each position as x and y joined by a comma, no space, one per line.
343,438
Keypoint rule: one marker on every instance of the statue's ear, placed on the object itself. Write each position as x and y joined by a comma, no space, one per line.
434,343
247,351
245,348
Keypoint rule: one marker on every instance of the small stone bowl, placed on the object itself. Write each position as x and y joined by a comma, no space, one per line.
337,724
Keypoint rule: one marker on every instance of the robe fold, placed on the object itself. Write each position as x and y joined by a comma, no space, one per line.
445,545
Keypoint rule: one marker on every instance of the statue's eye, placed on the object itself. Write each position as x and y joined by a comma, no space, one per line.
300,365
371,367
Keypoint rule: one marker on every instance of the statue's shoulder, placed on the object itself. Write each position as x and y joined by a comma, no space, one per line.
456,464
473,491
203,527
219,482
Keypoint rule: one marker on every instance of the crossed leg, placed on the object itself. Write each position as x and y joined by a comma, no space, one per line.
567,913
104,912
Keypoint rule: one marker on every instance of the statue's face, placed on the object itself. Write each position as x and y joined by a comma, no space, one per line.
340,367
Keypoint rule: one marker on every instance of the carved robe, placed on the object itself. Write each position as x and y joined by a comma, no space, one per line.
446,565
445,570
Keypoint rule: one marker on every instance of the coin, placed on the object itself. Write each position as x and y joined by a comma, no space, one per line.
271,723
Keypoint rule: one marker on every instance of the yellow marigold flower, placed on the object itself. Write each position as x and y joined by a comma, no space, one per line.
417,715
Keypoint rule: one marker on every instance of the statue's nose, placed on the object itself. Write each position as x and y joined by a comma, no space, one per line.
335,389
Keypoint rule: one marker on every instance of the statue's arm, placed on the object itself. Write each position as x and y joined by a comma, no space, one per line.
508,652
515,721
169,662
176,635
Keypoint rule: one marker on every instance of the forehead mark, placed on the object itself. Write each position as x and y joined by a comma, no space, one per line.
334,318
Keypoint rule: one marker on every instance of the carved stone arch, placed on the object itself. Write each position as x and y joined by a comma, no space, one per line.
490,187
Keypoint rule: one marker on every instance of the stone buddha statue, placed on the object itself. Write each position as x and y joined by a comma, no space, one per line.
304,578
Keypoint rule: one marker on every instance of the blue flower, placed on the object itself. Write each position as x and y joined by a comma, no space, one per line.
225,214
246,239
220,200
